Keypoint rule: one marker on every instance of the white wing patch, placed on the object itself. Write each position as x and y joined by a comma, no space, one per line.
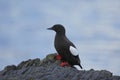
73,51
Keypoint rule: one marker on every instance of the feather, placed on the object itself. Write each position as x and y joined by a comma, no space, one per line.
77,67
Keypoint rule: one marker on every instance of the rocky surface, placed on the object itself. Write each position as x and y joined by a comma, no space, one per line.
49,69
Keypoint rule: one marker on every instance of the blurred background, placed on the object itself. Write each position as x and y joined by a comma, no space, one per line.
92,25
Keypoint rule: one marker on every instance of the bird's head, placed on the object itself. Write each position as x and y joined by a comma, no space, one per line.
58,28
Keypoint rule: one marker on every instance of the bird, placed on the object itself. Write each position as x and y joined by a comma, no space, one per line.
67,51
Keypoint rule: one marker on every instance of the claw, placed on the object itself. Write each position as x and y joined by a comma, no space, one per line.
65,64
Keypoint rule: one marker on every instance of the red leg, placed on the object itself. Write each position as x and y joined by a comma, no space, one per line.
58,57
64,64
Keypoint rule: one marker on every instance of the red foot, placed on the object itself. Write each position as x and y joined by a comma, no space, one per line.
64,64
58,57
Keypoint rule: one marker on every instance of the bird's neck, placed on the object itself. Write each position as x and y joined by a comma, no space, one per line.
60,34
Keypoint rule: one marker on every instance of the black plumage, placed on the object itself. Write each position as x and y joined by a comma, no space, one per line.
63,44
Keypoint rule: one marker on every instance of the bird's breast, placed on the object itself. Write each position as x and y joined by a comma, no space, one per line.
60,43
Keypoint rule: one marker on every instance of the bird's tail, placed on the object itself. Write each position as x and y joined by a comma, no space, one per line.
80,66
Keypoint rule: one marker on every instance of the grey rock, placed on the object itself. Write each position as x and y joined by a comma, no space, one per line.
50,69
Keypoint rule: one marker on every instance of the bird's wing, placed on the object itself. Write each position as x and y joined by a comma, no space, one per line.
74,51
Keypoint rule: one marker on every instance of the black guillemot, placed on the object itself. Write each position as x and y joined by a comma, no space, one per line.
66,49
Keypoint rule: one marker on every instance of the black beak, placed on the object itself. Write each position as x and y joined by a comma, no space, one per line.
49,29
